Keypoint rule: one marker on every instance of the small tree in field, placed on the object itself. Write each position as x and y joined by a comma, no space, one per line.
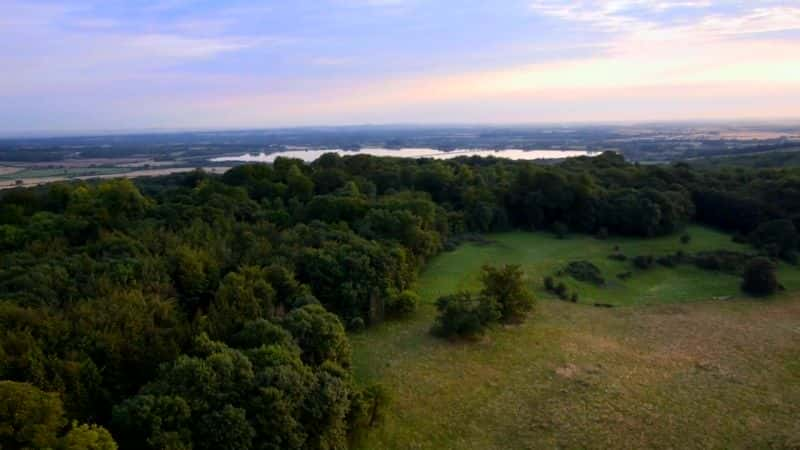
506,287
464,315
759,277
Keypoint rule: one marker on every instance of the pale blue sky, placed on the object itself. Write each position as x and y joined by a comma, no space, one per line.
91,65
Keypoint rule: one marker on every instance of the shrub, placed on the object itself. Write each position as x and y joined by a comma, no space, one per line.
669,260
739,238
464,315
686,238
618,257
403,304
560,230
722,260
549,284
368,408
643,262
561,290
759,277
602,233
506,287
625,275
356,325
574,297
585,271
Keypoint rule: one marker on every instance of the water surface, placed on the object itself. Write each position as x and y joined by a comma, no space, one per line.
310,155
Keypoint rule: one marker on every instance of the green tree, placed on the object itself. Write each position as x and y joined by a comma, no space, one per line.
403,304
32,418
29,417
759,277
319,334
464,315
227,429
300,185
242,296
88,437
506,286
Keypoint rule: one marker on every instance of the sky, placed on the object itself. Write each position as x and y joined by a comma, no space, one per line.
178,64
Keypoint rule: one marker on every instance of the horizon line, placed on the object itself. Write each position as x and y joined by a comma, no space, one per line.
68,133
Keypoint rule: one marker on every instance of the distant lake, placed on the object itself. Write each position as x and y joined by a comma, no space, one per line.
310,155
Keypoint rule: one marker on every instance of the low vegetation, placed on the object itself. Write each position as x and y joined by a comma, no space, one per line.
585,271
504,297
675,368
759,277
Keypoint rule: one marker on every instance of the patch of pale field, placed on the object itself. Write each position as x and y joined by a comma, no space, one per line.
30,182
702,375
8,170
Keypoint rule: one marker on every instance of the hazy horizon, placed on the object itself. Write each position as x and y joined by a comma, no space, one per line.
191,65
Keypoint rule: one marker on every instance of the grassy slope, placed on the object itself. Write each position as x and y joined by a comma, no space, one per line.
706,374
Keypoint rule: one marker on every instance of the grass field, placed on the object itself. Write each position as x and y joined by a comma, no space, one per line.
29,174
671,368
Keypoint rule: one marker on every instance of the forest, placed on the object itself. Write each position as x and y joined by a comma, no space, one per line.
213,311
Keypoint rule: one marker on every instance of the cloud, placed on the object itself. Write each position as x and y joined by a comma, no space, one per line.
649,20
191,63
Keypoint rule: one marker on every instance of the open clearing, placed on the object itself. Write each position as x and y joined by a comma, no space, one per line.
37,177
670,368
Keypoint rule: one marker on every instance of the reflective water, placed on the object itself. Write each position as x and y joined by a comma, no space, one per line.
311,155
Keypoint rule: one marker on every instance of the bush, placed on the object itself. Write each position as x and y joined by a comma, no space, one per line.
721,260
759,277
618,257
403,304
585,271
669,260
685,239
549,284
739,238
561,291
506,287
368,408
625,275
643,262
560,230
602,234
574,297
464,315
356,325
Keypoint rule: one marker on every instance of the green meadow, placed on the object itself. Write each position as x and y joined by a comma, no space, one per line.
683,361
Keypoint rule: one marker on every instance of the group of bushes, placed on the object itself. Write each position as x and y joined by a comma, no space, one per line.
758,273
585,271
560,290
504,298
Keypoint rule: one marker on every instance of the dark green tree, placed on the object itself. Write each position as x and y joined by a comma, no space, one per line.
759,277
506,286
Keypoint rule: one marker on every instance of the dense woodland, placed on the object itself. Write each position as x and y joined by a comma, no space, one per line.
199,311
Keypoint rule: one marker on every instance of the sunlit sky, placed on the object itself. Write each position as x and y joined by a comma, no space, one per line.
115,65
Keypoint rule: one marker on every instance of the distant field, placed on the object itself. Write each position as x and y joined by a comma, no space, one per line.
35,177
540,254
61,172
670,369
777,159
